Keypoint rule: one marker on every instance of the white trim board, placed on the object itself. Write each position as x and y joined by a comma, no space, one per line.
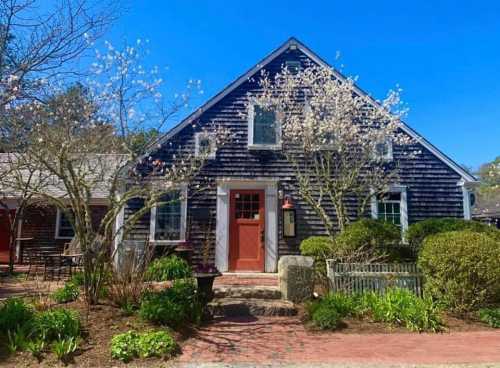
270,187
293,43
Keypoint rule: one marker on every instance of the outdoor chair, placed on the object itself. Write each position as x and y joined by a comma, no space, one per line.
35,262
56,265
72,256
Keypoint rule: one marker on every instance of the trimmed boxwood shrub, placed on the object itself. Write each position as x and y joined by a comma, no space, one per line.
461,269
168,268
375,237
418,231
318,247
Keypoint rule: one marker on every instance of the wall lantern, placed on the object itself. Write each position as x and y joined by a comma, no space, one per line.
289,224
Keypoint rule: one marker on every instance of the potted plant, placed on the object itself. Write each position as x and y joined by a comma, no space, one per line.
205,273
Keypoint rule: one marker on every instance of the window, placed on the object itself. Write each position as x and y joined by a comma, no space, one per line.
64,229
391,207
168,220
383,150
205,144
293,66
264,129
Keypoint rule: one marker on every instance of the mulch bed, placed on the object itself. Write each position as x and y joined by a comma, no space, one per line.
102,322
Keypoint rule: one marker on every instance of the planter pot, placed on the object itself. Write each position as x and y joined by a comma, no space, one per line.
205,282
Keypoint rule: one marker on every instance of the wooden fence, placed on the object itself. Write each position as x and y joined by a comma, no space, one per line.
361,277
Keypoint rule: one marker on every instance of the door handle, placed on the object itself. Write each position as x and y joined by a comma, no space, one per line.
262,237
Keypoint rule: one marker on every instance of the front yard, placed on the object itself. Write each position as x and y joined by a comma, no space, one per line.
256,339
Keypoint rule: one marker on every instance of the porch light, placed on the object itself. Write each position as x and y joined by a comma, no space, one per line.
289,223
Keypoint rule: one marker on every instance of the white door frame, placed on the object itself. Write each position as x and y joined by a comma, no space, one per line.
270,187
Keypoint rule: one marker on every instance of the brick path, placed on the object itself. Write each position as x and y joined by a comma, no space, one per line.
284,340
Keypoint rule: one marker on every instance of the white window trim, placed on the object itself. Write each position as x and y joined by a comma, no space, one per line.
58,226
258,146
465,199
403,205
152,222
213,144
387,157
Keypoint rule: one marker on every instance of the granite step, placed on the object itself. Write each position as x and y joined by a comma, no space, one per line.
247,292
236,307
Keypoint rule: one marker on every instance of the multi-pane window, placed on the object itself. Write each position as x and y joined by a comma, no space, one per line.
247,206
168,225
264,127
383,150
389,208
205,144
64,227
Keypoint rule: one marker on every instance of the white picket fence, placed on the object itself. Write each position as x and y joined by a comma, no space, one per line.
361,277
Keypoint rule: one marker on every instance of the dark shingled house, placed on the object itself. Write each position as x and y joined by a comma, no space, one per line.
242,210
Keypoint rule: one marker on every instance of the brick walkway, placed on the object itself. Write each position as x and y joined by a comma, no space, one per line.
284,340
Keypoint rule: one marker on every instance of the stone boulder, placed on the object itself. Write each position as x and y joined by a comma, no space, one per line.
296,277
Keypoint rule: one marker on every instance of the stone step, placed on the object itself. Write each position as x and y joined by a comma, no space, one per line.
234,307
247,292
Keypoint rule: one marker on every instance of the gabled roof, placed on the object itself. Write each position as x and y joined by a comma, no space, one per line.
294,43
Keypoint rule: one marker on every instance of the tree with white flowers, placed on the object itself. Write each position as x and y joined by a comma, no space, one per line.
337,139
85,138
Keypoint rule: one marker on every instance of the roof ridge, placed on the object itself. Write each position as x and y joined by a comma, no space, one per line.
312,55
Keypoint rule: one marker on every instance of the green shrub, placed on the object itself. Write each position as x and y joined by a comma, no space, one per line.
327,312
68,293
156,344
318,247
461,269
174,306
368,238
490,316
168,268
14,314
325,317
403,308
418,231
57,324
129,345
124,346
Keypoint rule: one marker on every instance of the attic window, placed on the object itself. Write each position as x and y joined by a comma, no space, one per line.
293,66
205,144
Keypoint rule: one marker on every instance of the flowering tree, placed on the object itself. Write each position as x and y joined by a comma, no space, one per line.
36,47
335,138
85,139
37,51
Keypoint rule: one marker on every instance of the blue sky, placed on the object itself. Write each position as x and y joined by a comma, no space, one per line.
444,54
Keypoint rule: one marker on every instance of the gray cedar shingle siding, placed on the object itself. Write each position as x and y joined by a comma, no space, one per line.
432,184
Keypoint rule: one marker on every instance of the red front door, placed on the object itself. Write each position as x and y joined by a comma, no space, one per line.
246,230
5,235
